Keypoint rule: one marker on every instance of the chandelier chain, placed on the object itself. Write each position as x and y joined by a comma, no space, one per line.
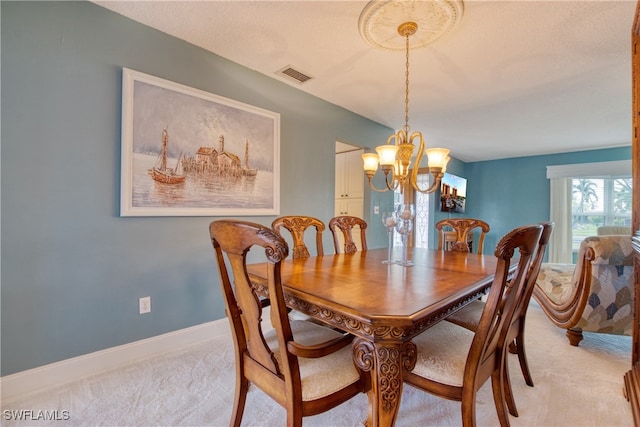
406,90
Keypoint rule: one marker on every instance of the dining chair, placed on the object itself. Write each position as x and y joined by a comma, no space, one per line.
453,362
469,317
297,225
344,225
306,368
462,227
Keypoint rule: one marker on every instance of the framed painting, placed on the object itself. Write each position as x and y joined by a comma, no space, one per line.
187,152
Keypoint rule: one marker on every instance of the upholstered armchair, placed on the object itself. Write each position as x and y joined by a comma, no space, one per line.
613,229
594,295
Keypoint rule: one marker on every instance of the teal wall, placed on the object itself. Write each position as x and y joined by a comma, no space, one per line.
512,192
72,269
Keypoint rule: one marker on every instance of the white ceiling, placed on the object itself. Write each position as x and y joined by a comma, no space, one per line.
514,78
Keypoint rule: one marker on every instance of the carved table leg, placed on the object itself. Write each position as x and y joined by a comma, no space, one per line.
385,361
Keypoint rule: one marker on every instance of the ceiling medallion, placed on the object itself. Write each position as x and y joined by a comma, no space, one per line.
379,21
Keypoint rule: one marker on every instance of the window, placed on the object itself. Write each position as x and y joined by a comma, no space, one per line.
420,236
583,197
596,202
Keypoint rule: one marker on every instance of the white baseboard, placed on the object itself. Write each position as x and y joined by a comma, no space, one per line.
69,370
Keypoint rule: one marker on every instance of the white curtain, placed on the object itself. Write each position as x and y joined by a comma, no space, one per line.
560,212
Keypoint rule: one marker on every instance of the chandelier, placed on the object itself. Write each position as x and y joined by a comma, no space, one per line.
394,158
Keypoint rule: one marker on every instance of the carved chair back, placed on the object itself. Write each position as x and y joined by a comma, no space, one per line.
344,225
515,335
297,225
505,295
462,228
534,270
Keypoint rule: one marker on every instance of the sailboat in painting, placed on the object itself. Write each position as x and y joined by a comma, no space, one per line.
247,171
160,172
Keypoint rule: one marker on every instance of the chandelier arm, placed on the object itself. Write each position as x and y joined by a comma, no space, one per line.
381,190
394,181
436,173
433,187
418,159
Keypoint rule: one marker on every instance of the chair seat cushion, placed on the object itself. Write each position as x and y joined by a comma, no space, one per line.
320,376
556,280
442,353
469,316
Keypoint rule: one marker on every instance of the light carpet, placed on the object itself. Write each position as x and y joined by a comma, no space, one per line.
193,386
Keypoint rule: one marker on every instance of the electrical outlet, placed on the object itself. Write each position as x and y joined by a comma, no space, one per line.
376,209
145,305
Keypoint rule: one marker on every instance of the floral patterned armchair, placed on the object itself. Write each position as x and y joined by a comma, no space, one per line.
594,295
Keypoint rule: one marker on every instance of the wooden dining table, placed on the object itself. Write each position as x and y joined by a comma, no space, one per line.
383,305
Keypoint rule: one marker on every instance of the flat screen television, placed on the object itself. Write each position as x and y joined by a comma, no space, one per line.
453,193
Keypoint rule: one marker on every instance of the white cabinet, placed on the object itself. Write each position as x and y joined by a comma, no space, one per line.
351,207
350,188
349,175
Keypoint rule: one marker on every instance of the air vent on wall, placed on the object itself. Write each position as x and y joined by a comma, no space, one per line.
294,74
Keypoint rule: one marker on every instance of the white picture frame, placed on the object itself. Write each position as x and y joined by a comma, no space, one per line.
187,152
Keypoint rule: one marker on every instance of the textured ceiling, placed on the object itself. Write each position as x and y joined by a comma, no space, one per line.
514,78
